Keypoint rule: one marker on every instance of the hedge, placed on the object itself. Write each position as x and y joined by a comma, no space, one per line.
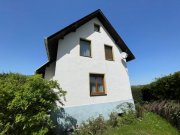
164,88
26,103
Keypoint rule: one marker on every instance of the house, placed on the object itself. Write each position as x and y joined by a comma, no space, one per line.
89,60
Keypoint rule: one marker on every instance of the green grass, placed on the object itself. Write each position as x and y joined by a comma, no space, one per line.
151,124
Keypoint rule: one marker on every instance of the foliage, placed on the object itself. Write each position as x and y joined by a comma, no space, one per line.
164,88
167,109
93,126
139,110
161,96
167,87
25,104
128,115
113,120
97,126
151,124
137,93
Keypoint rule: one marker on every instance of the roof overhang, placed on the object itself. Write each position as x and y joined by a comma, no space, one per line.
51,42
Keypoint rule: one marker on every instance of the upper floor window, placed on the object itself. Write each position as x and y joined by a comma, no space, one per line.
97,84
108,52
96,28
85,48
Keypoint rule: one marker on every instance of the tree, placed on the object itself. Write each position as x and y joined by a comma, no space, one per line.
26,103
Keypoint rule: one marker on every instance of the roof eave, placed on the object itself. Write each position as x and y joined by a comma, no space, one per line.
41,68
46,46
51,42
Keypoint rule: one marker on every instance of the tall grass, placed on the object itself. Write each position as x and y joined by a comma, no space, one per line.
151,124
168,109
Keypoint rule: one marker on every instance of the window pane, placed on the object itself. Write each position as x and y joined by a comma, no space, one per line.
85,48
97,84
93,84
100,84
108,53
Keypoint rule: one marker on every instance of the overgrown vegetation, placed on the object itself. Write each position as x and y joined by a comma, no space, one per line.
137,93
97,126
168,109
26,103
130,123
93,126
162,97
151,124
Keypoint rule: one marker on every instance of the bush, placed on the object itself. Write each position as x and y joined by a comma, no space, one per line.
96,126
165,88
25,104
128,113
137,93
170,110
113,120
93,126
139,111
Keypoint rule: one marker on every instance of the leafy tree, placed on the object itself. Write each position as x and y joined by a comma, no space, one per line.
26,103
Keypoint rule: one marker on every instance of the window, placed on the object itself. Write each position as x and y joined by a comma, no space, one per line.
97,84
85,48
108,52
96,28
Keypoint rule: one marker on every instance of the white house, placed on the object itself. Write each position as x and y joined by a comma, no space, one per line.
88,59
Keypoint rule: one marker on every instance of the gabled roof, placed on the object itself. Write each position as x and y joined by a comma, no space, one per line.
51,42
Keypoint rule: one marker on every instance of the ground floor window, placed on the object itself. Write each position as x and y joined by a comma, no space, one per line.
97,84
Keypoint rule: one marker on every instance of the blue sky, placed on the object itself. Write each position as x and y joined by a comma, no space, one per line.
150,28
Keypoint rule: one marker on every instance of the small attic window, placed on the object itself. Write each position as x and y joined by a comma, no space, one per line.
96,27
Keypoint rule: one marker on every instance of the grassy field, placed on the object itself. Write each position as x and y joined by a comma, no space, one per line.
151,124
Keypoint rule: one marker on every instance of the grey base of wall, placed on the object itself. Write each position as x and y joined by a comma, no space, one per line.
69,117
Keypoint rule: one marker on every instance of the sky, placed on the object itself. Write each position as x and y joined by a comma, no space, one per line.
150,28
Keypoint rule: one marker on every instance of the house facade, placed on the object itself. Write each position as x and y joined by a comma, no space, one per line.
86,59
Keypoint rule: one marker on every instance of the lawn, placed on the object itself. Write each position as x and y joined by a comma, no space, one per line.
151,124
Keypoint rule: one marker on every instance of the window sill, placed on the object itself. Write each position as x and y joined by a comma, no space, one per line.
98,94
86,56
109,60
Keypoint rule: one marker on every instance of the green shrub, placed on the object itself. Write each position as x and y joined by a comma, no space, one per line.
93,126
26,103
113,120
165,88
139,111
97,126
128,113
137,93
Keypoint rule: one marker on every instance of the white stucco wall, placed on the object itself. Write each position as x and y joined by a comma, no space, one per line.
72,70
50,71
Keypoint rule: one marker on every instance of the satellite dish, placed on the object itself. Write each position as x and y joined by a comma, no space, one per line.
124,55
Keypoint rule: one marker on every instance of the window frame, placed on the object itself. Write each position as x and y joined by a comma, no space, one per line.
86,40
97,26
97,93
111,51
